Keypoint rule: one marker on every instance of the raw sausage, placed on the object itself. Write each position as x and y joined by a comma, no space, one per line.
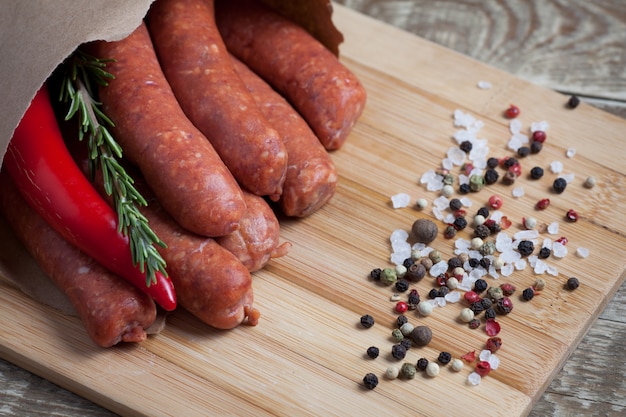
111,309
327,94
175,158
196,63
258,238
311,175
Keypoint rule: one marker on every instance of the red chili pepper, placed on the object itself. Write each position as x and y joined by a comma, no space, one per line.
48,178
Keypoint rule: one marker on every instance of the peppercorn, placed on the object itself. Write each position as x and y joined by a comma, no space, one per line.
491,176
526,247
476,307
539,284
408,262
401,319
523,151
572,283
528,294
559,185
415,272
483,211
504,305
486,302
466,146
562,240
507,289
426,262
392,372
512,112
375,274
485,263
398,351
543,204
508,162
476,182
490,313
536,173
424,230
443,291
454,262
492,162
573,102
482,368
474,324
529,222
449,232
488,248
509,178
367,321
571,215
444,358
455,204
515,169
480,285
464,188
413,301
474,262
495,293
401,306
435,256
494,344
422,363
396,335
388,276
407,343
494,227
432,369
495,202
590,182
370,381
373,352
460,223
536,147
421,335
408,370
402,285
482,231
433,293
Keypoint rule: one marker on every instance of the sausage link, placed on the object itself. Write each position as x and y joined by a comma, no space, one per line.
198,67
111,309
311,177
257,239
175,158
318,85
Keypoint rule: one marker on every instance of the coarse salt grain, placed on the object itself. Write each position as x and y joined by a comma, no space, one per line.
582,252
568,177
439,268
570,152
543,126
556,167
474,378
456,155
552,270
517,192
559,250
484,85
453,297
526,234
400,200
515,126
507,270
553,228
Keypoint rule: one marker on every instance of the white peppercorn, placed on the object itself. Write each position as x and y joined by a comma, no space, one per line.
467,314
421,203
407,329
425,308
457,364
476,243
432,369
447,190
392,372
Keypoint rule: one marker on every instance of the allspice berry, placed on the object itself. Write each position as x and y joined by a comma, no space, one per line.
421,335
424,230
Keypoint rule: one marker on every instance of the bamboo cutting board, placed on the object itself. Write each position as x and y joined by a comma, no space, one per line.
307,355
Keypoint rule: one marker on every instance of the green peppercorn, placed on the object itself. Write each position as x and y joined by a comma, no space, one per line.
435,256
488,248
370,381
388,276
448,179
408,370
495,293
476,182
396,335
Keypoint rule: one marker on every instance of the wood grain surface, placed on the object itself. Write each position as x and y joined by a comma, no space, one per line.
573,47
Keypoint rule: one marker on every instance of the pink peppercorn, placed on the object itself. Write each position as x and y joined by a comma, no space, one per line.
495,202
562,240
512,112
571,215
516,169
543,204
471,297
483,368
401,307
539,136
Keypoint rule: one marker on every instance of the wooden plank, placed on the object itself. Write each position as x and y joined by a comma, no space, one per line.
306,357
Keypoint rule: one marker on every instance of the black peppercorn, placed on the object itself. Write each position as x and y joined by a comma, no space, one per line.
460,223
526,247
544,253
480,285
455,204
572,283
401,320
474,324
474,262
443,291
573,102
536,173
485,263
477,307
444,358
422,363
494,227
375,274
367,321
482,231
536,146
509,162
493,162
407,343
523,151
408,262
490,313
559,185
466,146
491,176
434,293
413,300
370,381
449,232
454,262
483,211
504,305
509,178
528,294
402,285
486,302
464,188
398,351
372,352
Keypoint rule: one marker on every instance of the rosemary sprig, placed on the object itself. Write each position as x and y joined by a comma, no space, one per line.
83,74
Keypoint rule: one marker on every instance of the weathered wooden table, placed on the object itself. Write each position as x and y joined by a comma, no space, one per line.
575,47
